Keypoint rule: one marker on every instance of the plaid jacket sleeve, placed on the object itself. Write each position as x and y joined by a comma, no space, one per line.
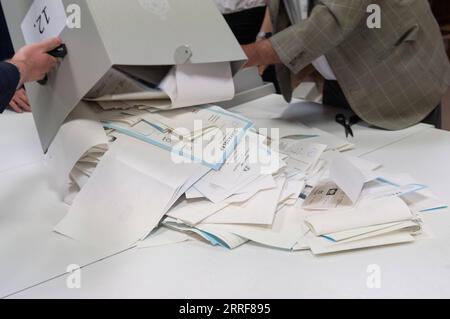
329,24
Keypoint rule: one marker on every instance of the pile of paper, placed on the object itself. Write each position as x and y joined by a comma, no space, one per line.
137,173
345,205
134,165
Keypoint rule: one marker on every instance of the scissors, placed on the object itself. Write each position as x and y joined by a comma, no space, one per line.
60,52
347,123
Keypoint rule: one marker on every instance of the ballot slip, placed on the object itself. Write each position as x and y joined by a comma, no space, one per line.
211,149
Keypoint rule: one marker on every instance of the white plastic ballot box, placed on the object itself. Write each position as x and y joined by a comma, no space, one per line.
141,35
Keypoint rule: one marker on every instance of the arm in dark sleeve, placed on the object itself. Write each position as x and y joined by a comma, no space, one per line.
9,80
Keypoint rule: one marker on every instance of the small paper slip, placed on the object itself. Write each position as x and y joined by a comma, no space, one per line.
368,213
347,177
212,149
326,195
302,155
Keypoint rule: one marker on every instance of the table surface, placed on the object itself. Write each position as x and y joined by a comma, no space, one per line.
34,260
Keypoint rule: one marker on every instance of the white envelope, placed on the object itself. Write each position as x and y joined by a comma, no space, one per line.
368,213
260,209
319,248
288,228
119,206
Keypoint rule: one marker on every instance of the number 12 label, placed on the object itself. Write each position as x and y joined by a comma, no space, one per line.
44,20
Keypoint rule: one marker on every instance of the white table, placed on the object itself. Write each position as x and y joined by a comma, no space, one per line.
197,270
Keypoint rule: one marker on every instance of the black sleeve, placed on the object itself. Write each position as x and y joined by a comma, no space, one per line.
9,80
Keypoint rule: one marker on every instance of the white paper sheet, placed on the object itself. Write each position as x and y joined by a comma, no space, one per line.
45,19
302,155
193,211
246,164
264,182
130,191
412,227
347,177
260,209
368,213
196,84
320,247
117,207
285,232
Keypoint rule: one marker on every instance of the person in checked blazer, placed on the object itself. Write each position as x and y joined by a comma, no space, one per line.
392,77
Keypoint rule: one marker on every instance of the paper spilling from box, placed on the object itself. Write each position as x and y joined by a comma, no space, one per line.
182,86
140,168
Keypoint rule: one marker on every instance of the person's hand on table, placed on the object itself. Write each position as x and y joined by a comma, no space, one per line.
33,61
19,102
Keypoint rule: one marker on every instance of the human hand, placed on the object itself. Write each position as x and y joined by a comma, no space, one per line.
262,69
250,52
19,102
34,62
261,54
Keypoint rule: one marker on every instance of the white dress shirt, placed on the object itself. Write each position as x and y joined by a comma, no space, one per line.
232,6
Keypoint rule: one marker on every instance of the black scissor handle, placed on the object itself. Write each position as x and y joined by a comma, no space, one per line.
341,119
60,53
354,120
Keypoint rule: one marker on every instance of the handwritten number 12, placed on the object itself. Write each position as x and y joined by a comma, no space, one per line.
42,21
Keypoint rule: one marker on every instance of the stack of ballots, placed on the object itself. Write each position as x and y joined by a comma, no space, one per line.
140,166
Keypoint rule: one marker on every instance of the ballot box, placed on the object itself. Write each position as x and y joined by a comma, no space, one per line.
142,36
